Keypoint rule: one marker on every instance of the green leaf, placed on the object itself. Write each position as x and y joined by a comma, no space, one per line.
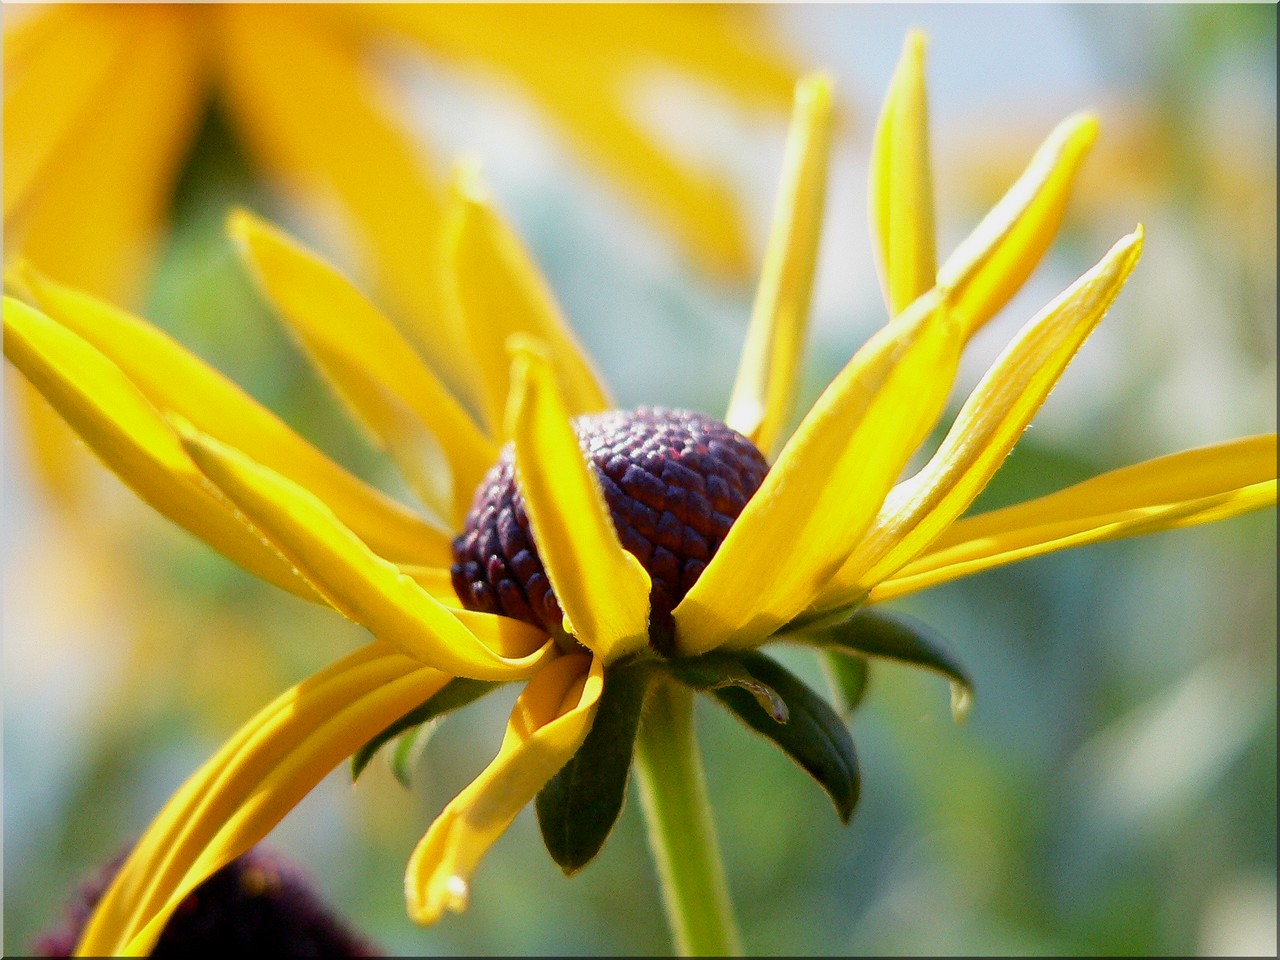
458,692
407,752
847,675
813,734
896,636
716,671
579,805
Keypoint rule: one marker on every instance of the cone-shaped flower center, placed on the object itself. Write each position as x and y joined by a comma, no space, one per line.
674,482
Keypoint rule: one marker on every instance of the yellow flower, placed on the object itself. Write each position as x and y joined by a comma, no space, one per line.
827,530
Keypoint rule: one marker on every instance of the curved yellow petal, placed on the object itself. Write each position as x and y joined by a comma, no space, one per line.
987,427
550,720
176,381
829,482
603,590
359,583
304,96
54,88
1179,490
764,393
498,292
372,367
133,439
248,786
901,184
994,261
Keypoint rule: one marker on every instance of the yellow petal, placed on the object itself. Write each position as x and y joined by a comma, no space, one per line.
60,80
827,485
499,292
261,774
372,367
28,27
901,181
305,99
987,427
133,439
1179,490
550,720
603,590
437,581
176,381
992,263
764,392
122,164
359,583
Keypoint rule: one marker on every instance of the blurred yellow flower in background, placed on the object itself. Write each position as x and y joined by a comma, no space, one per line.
102,103
102,100
830,527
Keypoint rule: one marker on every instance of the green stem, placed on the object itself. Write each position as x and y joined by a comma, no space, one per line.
673,793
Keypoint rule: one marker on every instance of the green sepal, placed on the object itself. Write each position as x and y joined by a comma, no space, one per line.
847,677
895,636
717,671
811,733
578,807
458,692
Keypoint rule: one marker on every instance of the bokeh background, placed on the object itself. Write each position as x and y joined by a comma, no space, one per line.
1114,789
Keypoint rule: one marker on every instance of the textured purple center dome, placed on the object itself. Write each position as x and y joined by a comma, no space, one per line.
674,482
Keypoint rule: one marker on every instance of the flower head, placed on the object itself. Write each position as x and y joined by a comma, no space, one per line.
548,564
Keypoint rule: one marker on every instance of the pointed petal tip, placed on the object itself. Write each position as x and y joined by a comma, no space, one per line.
242,223
1083,124
467,185
815,89
525,348
1129,247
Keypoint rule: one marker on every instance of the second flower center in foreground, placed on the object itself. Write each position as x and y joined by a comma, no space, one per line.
674,482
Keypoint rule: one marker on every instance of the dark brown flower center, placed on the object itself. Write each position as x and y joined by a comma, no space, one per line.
674,482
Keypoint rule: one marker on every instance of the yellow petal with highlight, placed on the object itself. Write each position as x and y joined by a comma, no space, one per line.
550,720
359,583
764,392
987,427
176,381
1180,490
993,262
498,292
261,774
603,590
901,184
829,482
373,368
132,438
